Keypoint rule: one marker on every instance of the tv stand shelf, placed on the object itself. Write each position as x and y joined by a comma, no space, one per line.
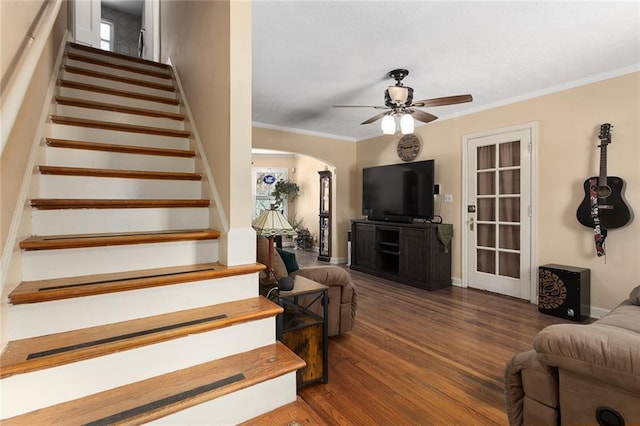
406,253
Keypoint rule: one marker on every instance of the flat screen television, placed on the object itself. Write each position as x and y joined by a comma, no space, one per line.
399,192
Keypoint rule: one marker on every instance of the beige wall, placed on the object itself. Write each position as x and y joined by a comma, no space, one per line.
209,44
337,154
308,204
569,122
15,21
195,37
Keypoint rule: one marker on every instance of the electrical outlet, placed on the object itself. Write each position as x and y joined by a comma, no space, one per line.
448,198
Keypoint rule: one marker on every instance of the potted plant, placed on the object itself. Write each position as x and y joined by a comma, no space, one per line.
304,239
285,190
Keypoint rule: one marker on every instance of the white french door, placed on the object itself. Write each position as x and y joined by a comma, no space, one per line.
498,212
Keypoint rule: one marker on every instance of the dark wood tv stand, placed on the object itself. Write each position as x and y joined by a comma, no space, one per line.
407,253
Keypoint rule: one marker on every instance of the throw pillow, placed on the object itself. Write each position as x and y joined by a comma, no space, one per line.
289,260
634,296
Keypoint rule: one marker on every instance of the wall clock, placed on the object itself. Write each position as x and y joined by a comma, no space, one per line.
408,147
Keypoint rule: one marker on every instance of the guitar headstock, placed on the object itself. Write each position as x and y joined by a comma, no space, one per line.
605,133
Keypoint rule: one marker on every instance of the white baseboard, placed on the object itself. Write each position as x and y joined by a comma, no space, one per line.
598,313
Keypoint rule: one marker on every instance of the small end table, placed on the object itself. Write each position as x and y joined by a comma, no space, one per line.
304,331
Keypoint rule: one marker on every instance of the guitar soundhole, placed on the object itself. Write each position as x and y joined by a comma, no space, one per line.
604,191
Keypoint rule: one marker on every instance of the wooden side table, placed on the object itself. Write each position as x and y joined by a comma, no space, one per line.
303,331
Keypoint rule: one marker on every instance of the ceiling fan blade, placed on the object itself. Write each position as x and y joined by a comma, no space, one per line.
360,106
425,117
447,100
375,118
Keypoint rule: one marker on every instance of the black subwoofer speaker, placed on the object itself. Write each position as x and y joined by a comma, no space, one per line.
564,291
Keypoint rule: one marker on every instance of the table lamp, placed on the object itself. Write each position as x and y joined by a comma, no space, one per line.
269,224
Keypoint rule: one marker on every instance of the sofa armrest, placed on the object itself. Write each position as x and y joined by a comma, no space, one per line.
327,275
605,352
526,376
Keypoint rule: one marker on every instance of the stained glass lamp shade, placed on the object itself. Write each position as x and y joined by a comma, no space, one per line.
269,224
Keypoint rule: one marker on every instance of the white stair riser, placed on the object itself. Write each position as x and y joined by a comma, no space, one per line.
118,117
114,99
135,64
60,131
112,84
98,221
40,319
65,157
53,186
71,381
47,264
117,71
237,407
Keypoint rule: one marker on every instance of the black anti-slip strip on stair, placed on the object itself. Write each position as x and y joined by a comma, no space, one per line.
123,337
165,401
122,280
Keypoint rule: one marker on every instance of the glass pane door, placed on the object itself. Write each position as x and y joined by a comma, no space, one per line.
498,209
498,222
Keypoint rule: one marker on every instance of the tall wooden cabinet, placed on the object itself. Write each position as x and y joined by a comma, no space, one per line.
324,244
406,253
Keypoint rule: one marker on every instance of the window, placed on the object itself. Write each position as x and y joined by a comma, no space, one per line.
106,35
264,183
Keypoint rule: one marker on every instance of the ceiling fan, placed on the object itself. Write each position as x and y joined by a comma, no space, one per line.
398,102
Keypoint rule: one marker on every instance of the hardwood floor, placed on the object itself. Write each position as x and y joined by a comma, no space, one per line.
420,358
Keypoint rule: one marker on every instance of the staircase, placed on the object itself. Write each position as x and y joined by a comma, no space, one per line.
125,314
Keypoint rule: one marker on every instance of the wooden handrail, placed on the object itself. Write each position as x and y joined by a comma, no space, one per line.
23,72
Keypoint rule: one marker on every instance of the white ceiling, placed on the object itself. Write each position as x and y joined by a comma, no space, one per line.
310,55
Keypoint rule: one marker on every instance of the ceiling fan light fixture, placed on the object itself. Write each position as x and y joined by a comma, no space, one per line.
388,125
407,124
398,95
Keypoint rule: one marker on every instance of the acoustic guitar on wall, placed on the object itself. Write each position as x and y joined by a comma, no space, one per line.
613,212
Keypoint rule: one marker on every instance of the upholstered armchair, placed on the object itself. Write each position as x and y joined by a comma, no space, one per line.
342,292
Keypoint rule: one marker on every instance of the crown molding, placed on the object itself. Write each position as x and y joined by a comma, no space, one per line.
303,132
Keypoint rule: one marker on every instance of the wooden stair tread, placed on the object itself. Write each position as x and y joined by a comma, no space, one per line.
118,108
38,353
117,92
126,149
297,413
123,67
56,242
160,396
89,285
134,81
118,55
108,125
85,203
115,173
